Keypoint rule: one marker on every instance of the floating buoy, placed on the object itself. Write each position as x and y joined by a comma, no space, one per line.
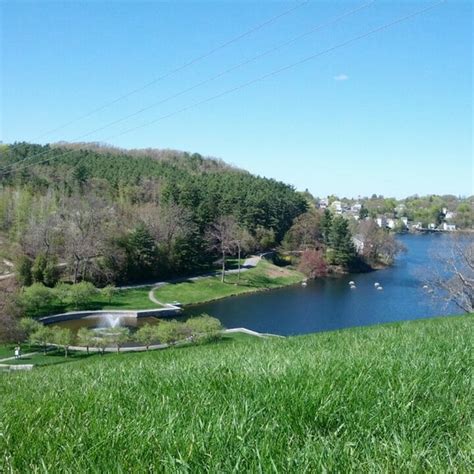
304,284
376,284
425,287
351,283
352,287
379,288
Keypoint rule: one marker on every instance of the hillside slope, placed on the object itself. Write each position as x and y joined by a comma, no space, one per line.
394,398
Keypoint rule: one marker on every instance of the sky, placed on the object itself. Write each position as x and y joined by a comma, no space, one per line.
389,113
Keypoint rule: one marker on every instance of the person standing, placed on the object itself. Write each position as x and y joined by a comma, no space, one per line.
17,352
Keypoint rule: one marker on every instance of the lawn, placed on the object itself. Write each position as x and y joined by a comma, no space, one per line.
387,398
134,298
264,276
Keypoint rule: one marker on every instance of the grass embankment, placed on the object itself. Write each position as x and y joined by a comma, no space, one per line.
264,276
393,398
133,298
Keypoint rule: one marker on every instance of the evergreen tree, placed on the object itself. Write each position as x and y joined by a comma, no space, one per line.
340,241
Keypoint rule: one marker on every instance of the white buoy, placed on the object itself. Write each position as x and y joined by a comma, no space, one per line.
376,284
379,288
351,283
304,284
425,287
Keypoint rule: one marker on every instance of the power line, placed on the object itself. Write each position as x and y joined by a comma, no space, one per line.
258,79
212,78
180,68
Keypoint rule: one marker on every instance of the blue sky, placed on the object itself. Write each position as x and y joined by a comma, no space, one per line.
390,114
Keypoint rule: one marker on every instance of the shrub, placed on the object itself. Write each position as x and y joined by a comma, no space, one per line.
204,328
36,299
169,332
24,271
80,294
146,335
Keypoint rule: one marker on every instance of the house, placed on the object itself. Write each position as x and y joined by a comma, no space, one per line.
448,227
417,226
405,221
449,215
391,223
355,208
323,203
381,221
358,242
336,206
432,226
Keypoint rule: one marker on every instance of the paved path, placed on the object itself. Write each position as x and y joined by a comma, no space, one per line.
22,355
249,263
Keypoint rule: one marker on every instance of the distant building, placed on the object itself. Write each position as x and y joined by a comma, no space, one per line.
381,221
405,221
432,226
323,203
417,226
449,215
391,223
358,242
356,207
336,206
448,227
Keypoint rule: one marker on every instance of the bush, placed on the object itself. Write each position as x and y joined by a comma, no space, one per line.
24,271
170,332
81,294
204,328
36,300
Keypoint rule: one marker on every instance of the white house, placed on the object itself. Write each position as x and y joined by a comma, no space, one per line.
448,227
391,223
381,221
336,206
405,221
358,242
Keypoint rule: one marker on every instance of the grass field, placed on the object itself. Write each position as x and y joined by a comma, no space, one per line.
391,398
264,276
134,298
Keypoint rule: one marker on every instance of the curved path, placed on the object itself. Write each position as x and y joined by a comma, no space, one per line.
249,263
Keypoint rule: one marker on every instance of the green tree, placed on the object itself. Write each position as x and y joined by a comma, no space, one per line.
29,326
81,294
141,253
340,241
24,271
36,300
146,335
41,337
169,332
86,338
62,337
204,328
325,225
108,291
117,337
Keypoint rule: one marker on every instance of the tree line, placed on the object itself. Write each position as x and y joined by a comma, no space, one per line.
111,216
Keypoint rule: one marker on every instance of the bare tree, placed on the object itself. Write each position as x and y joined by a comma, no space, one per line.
222,236
452,277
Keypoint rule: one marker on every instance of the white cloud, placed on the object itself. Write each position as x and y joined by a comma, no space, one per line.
341,77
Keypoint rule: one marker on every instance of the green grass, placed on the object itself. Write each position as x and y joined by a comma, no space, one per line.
264,276
135,298
391,398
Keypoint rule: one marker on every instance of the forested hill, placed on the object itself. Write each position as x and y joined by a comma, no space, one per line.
168,196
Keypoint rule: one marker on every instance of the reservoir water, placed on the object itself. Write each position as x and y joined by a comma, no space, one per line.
330,303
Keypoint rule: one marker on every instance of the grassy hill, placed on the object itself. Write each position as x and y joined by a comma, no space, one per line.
392,398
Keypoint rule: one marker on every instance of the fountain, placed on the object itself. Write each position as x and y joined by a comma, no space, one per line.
111,320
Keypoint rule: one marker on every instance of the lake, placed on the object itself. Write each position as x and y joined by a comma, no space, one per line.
329,304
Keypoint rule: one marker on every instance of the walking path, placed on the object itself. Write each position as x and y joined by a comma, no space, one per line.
22,355
249,263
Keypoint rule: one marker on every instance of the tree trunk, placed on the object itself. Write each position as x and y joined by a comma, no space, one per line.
223,267
238,263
